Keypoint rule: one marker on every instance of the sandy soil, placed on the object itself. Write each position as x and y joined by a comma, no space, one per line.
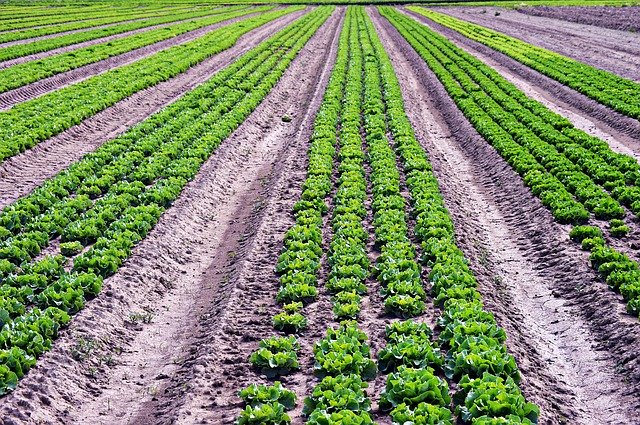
618,18
612,50
572,340
58,81
41,55
204,276
22,173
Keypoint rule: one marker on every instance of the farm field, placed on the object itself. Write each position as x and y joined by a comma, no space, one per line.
322,214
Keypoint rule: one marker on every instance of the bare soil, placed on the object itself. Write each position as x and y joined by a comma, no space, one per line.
203,278
626,18
20,174
611,50
569,333
60,50
36,89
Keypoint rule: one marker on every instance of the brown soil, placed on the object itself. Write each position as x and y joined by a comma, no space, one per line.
41,55
20,174
572,339
204,274
625,18
614,51
56,82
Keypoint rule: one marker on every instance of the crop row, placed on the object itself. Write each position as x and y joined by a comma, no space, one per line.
29,72
618,93
28,123
396,268
40,31
74,15
476,357
8,13
556,161
138,175
363,103
19,50
342,357
347,258
409,354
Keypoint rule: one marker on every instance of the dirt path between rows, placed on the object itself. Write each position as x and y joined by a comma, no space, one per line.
612,50
59,81
626,18
20,174
203,278
76,46
622,133
574,344
247,318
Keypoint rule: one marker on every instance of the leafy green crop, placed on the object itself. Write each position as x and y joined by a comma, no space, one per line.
343,417
33,121
572,173
264,414
44,45
605,87
255,395
412,387
276,356
492,396
344,351
422,414
342,392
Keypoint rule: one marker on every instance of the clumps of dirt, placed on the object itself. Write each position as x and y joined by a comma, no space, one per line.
623,18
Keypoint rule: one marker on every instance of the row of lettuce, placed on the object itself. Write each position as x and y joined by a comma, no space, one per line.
46,44
106,203
620,94
91,18
364,114
68,15
25,73
29,123
577,176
